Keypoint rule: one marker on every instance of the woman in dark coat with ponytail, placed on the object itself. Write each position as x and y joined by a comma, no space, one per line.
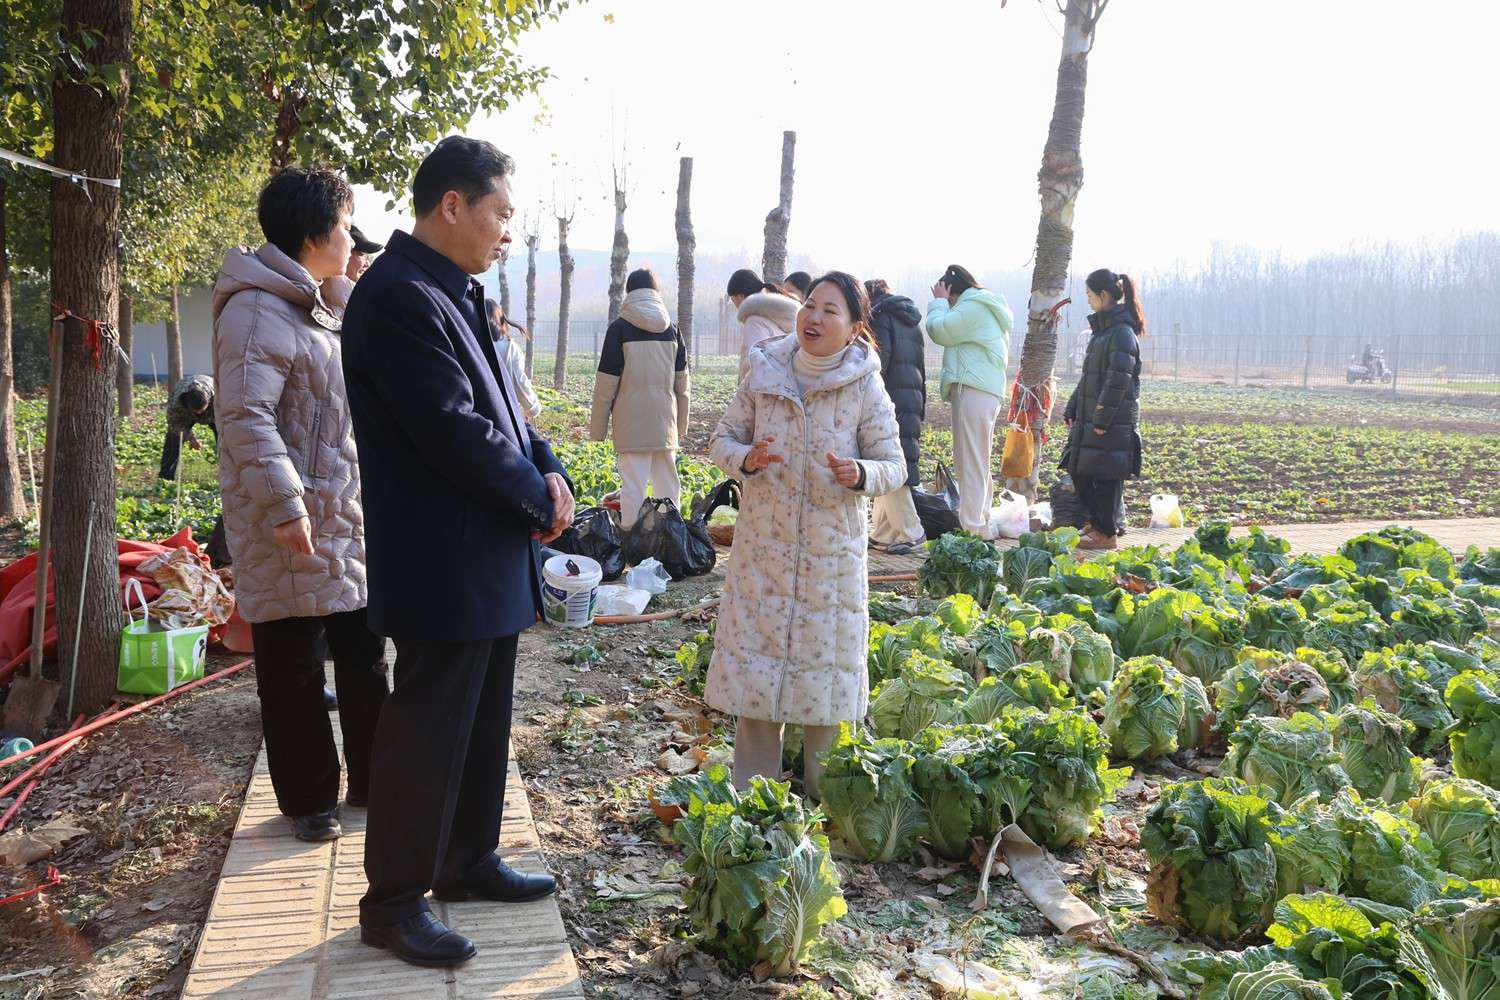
1103,415
896,322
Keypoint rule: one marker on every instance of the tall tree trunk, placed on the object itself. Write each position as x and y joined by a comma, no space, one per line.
174,341
773,261
533,240
12,500
85,281
564,302
619,254
685,247
1059,181
290,103
504,280
125,374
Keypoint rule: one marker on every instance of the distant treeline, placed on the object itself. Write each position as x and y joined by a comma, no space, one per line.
1378,292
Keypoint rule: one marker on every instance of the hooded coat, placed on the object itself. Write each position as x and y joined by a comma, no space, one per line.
764,316
286,441
975,336
1107,397
642,383
896,322
792,638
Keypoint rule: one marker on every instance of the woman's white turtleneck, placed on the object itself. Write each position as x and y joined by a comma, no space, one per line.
808,368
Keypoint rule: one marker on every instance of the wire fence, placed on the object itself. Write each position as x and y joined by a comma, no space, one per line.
1450,365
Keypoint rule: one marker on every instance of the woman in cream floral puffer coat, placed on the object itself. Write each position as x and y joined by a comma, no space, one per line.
811,433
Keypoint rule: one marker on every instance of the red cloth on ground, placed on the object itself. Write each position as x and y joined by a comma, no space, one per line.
18,596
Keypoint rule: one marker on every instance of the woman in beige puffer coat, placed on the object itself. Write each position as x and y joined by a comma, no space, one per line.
289,478
812,434
765,312
641,388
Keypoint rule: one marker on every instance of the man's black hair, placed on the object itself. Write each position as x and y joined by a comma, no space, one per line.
195,399
301,204
458,163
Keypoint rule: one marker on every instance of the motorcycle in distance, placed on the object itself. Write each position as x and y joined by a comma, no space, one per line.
1370,368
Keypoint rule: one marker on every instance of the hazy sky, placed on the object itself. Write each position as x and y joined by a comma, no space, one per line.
1291,124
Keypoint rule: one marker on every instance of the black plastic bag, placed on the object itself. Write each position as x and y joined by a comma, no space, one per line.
594,534
1067,509
938,511
682,547
726,494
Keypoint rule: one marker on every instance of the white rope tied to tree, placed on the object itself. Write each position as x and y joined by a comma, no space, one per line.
69,175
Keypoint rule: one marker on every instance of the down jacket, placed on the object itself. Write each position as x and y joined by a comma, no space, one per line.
764,316
896,321
286,444
975,336
791,643
642,383
1108,396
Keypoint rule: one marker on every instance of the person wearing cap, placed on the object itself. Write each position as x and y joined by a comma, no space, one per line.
190,404
972,325
364,251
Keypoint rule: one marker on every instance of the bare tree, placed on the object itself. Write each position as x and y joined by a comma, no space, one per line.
125,374
504,280
619,253
773,260
1059,181
685,247
12,500
564,297
531,229
174,340
84,265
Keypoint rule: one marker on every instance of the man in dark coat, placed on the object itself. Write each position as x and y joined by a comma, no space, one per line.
458,491
1103,414
895,320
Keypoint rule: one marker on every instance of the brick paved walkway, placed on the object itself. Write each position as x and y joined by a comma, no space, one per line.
284,924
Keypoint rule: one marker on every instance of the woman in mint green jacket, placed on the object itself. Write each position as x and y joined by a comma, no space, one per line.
972,325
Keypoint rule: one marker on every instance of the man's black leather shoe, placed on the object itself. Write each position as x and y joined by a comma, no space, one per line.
499,882
317,827
421,940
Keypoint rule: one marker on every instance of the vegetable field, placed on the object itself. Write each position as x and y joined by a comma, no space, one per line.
1269,776
1250,454
1250,765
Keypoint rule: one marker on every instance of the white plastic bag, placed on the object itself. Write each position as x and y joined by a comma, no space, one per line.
650,576
614,599
1042,512
1010,518
1166,512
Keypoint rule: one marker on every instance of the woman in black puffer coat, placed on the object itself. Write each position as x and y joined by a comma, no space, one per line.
1103,415
895,320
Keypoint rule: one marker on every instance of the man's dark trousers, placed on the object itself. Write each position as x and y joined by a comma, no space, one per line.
171,452
438,772
299,736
